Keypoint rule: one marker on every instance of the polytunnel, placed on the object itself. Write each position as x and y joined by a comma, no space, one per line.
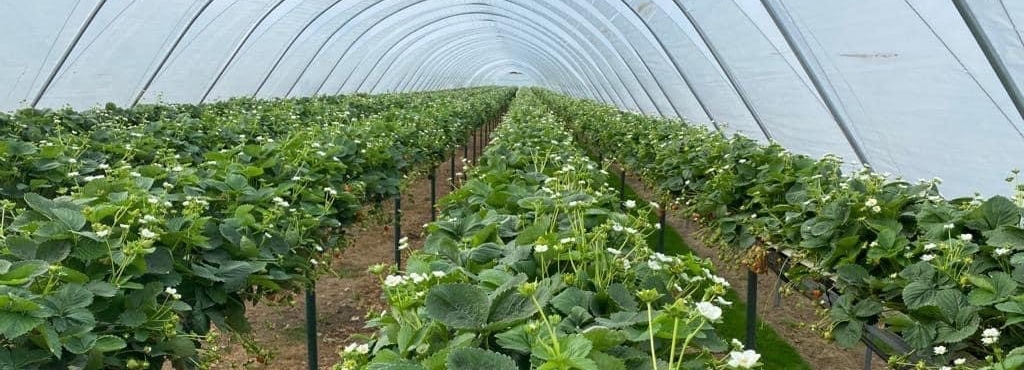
916,106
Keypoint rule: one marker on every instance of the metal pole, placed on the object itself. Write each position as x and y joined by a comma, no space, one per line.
679,69
170,51
289,47
398,230
312,355
994,59
867,357
733,81
234,53
661,235
622,189
831,101
751,310
451,172
433,194
67,53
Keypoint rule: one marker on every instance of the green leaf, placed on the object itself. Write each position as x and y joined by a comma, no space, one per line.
485,253
919,335
622,319
133,318
918,294
997,287
950,302
39,204
867,308
442,245
80,344
848,333
16,324
21,247
101,288
604,338
571,297
576,346
69,297
236,181
995,212
109,343
460,306
389,360
1005,236
22,272
53,251
52,340
469,358
622,297
178,347
160,261
234,274
605,361
71,218
853,274
515,339
509,307
918,271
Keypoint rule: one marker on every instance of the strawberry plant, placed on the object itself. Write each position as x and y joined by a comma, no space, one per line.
128,234
944,274
531,266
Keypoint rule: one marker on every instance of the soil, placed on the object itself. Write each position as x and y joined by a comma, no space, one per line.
790,318
343,300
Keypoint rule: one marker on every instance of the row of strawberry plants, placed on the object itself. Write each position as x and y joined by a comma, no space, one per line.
127,258
46,151
946,274
532,265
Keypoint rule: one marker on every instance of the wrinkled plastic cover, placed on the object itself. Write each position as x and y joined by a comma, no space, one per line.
910,82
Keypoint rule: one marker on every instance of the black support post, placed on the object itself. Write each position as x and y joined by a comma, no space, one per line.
312,355
661,230
622,189
451,171
751,310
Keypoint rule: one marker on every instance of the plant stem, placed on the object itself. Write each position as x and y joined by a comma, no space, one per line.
686,343
650,330
672,353
551,329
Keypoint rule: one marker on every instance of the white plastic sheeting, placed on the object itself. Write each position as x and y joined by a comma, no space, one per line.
918,88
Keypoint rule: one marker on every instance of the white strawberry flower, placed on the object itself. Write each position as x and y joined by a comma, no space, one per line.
147,233
743,360
709,311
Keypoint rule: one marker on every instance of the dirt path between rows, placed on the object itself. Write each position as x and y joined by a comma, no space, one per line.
793,315
342,302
